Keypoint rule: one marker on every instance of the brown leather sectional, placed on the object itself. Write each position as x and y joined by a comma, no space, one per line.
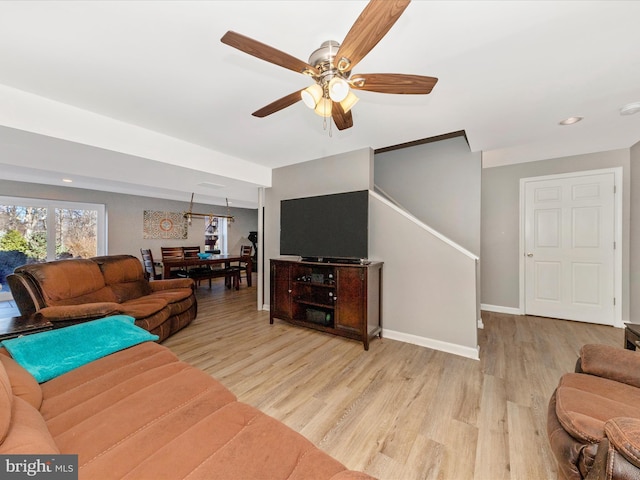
76,290
140,413
593,420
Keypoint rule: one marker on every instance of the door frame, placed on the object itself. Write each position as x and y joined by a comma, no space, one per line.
617,255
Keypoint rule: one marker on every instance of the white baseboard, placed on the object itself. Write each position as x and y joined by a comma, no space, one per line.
501,309
473,353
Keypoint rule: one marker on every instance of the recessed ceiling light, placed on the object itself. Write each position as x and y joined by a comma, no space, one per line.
570,120
67,180
630,108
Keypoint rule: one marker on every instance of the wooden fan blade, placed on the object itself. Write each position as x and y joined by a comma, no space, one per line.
393,83
267,53
278,105
373,23
342,119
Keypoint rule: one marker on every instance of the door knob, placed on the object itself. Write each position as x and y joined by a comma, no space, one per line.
529,254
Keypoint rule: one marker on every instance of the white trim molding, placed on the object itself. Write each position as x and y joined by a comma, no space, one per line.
501,309
472,353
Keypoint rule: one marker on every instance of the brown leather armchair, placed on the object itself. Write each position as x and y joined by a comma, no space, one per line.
593,421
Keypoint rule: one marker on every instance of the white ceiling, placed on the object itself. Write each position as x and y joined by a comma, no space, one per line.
142,97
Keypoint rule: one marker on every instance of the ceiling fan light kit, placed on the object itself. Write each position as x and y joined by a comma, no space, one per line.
348,103
338,89
312,95
330,66
323,108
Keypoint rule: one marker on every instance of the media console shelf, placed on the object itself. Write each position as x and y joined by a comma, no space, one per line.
343,299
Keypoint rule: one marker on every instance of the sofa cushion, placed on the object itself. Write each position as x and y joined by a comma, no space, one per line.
104,295
246,444
149,312
60,284
23,384
173,296
124,275
585,402
77,313
610,362
28,432
179,300
76,387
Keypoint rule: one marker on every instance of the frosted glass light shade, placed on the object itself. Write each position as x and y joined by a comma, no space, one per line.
338,89
348,103
323,108
311,95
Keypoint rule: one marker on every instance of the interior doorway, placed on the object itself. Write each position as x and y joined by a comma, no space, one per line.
570,244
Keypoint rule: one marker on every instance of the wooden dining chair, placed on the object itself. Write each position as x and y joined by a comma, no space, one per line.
237,268
151,268
198,272
245,251
173,253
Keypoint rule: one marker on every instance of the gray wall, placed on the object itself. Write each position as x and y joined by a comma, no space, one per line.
634,257
501,217
125,216
438,183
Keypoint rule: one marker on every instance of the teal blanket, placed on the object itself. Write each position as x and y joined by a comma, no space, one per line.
47,355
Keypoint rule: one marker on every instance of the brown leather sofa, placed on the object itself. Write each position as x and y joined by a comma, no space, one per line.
76,290
593,420
140,413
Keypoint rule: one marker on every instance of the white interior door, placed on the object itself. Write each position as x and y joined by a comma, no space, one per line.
569,235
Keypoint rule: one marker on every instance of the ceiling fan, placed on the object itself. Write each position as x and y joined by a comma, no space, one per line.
330,66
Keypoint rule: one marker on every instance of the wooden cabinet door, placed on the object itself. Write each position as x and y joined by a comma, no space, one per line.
351,298
280,304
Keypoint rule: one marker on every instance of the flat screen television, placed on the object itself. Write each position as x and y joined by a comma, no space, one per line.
326,228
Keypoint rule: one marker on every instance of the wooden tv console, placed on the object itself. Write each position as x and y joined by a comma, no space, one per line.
343,299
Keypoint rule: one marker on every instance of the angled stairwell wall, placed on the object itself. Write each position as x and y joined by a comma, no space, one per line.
427,220
429,293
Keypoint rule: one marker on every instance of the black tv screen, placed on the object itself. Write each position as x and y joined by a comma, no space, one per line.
326,227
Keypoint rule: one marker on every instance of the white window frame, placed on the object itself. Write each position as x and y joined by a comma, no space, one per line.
51,205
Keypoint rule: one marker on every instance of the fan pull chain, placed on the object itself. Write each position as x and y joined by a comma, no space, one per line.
324,125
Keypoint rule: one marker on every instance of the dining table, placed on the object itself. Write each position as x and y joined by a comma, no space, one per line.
219,259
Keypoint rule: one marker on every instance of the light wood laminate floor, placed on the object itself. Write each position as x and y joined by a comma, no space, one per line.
398,411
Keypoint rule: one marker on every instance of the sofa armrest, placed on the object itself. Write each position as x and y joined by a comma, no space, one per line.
171,283
610,362
624,436
85,311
